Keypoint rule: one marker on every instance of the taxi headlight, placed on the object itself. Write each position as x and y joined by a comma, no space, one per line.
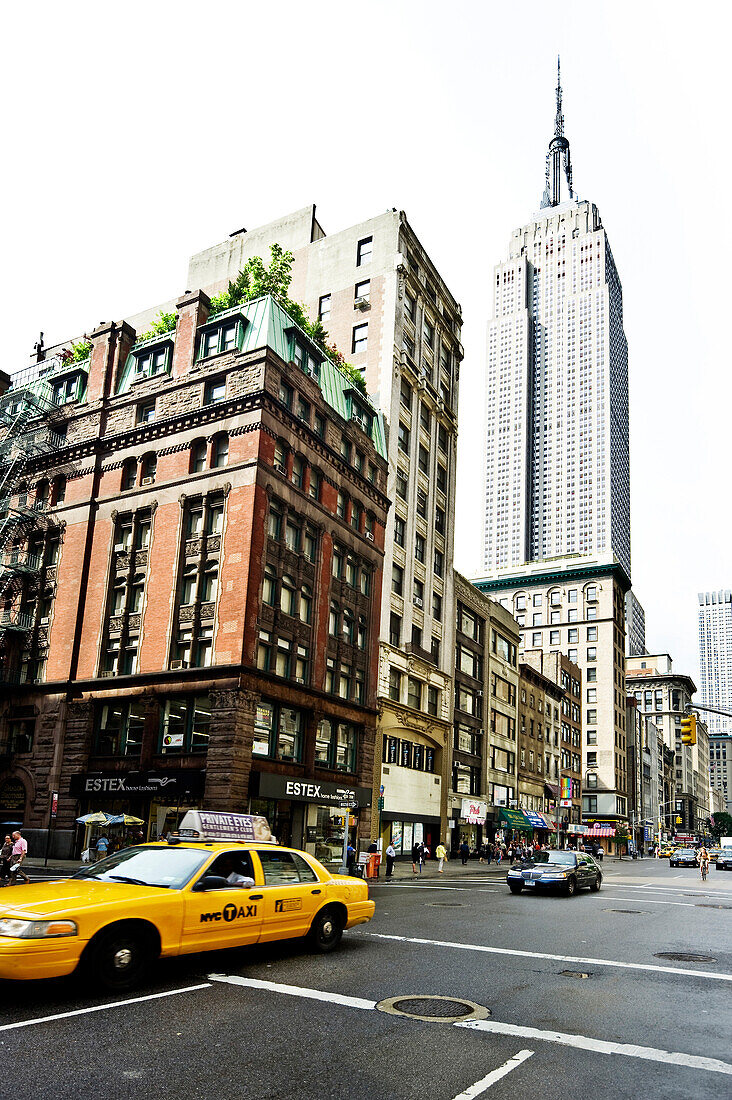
37,929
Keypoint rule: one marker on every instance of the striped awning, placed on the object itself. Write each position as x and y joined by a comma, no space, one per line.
601,830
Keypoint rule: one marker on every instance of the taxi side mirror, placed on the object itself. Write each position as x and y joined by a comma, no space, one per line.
212,882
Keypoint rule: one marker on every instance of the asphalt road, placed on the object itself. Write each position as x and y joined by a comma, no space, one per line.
579,1004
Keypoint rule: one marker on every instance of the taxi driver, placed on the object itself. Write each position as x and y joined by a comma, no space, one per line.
230,867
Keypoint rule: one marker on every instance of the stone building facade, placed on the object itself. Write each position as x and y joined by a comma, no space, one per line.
204,628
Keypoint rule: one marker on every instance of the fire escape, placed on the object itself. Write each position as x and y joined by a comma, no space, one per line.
29,440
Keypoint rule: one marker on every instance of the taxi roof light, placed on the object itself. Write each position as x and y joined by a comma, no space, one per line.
212,826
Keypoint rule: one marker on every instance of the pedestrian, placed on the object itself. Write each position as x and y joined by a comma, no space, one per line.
415,857
464,852
20,851
441,854
420,856
6,853
350,859
102,847
390,857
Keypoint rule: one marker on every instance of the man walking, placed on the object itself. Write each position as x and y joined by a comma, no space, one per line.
441,853
464,852
20,851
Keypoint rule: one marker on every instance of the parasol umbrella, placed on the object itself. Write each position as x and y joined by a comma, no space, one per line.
97,818
124,819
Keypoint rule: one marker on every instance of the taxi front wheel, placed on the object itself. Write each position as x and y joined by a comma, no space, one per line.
118,957
326,931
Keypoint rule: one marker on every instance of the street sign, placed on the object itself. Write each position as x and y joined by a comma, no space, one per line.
54,805
381,790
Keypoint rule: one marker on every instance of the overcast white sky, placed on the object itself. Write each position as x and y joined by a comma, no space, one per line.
136,134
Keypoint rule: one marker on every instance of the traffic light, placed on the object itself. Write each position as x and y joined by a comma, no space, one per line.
688,729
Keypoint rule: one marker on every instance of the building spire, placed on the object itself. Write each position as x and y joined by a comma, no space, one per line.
557,158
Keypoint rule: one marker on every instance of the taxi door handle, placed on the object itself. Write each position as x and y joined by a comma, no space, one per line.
316,891
256,897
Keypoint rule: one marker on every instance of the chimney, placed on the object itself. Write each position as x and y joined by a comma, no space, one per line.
193,310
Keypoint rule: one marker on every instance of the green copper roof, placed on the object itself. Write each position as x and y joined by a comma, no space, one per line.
269,325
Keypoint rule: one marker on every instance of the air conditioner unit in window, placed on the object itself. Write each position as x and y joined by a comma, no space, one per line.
369,535
179,664
45,620
362,303
107,672
148,481
417,601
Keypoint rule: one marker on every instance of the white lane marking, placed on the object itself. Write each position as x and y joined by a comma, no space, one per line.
294,991
599,1046
701,892
102,1008
583,1042
648,901
495,1075
714,976
410,886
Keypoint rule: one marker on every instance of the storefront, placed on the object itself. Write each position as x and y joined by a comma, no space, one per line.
159,798
12,804
309,814
406,830
469,823
516,824
542,825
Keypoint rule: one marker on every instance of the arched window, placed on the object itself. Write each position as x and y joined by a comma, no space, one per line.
348,626
315,483
361,632
342,505
119,595
280,457
219,451
58,495
269,588
188,590
298,471
199,453
43,493
306,603
149,469
138,591
333,619
287,595
129,474
210,582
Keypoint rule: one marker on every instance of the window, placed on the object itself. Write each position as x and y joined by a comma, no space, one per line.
283,657
319,425
145,412
199,453
591,593
399,530
421,503
214,391
118,728
425,417
433,700
185,725
220,450
362,292
439,563
440,521
414,693
364,251
298,471
419,547
591,675
418,592
137,592
401,484
395,684
306,603
324,308
437,606
129,474
410,306
428,334
316,482
553,637
591,633
264,654
341,505
403,437
441,478
280,457
269,586
278,731
287,595
572,595
591,654
423,459
149,469
573,635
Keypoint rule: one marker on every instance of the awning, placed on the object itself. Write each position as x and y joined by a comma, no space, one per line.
601,830
549,823
516,819
536,820
553,789
581,830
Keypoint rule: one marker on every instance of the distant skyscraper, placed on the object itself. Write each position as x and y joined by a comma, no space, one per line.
715,657
557,469
635,625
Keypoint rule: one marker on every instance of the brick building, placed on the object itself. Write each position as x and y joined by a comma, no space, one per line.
197,620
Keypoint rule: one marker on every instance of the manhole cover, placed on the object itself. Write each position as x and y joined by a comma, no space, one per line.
634,912
684,958
710,905
573,974
446,1010
446,904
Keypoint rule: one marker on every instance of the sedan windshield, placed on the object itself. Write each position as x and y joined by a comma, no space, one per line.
164,867
565,859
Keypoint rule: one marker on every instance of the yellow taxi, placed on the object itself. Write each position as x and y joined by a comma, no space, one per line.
666,850
221,881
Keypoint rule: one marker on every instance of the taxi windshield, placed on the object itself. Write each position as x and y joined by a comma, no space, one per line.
168,868
564,858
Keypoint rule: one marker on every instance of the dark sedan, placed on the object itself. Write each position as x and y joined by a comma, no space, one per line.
683,857
567,871
723,861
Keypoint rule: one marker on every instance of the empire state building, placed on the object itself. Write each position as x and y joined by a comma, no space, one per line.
557,478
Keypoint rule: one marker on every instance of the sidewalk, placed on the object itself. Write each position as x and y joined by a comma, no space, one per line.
452,869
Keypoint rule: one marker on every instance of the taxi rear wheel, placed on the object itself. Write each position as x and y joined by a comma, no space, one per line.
326,931
119,956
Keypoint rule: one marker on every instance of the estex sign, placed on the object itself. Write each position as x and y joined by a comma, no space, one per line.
312,790
172,784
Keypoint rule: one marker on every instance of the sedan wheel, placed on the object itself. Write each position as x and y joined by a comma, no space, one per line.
596,884
515,887
118,959
571,886
326,931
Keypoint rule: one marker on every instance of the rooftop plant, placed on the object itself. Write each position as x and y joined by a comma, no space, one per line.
77,353
255,280
164,323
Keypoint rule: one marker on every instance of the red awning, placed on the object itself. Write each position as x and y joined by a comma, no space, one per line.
549,823
601,830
